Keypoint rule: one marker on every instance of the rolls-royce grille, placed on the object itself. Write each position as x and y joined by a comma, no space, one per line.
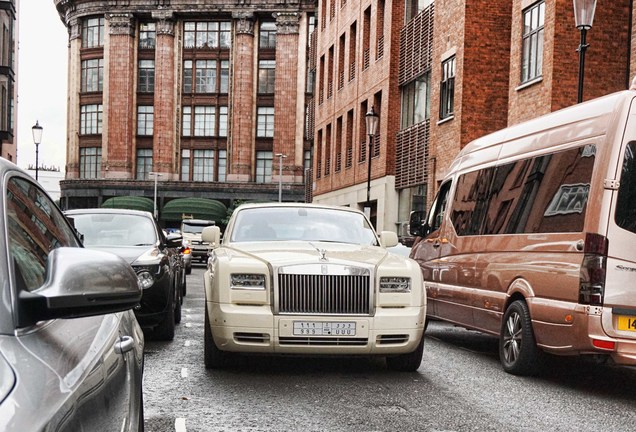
324,294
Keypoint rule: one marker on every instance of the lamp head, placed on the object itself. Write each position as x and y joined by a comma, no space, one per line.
372,120
37,133
584,13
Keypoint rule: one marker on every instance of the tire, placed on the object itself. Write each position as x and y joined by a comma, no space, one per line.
177,306
184,286
165,330
409,362
140,421
213,357
518,351
189,269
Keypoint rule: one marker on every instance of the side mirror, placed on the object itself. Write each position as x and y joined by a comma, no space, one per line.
174,240
212,235
79,282
388,239
417,224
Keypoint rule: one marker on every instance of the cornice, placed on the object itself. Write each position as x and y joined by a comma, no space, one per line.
73,9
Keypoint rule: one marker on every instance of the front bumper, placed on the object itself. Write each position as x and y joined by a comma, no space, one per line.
254,329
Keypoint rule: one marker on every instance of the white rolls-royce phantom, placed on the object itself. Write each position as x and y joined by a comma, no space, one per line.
310,280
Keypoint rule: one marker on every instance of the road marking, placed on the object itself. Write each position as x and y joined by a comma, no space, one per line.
188,325
187,343
180,425
184,372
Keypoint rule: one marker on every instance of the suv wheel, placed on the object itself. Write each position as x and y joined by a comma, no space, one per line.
518,351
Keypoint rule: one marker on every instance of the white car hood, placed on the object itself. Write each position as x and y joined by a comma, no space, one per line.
286,253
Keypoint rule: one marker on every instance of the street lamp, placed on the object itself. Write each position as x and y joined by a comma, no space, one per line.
372,120
37,139
583,18
157,175
280,175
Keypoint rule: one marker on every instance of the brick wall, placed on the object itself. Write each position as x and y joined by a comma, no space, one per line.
164,114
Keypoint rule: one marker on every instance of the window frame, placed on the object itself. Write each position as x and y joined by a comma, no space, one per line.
532,36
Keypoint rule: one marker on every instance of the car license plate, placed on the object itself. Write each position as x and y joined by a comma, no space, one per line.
321,328
627,323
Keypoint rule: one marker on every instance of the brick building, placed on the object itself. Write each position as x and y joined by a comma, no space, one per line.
457,70
8,79
207,94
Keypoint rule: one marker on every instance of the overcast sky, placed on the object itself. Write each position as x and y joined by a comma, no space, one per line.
42,82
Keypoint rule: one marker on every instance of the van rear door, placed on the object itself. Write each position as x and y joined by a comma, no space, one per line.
620,285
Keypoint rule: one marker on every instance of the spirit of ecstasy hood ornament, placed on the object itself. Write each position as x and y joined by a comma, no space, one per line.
322,252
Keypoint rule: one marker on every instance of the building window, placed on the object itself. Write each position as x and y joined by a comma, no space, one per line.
145,120
185,164
91,119
93,32
225,77
204,119
415,101
187,121
267,35
201,35
265,122
144,163
447,89
414,7
146,76
223,117
147,36
532,41
92,75
264,166
266,76
222,165
205,76
90,162
203,165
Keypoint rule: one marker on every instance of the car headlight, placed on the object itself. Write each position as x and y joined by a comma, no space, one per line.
247,281
145,279
395,284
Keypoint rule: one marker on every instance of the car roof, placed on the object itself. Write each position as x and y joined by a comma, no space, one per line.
297,205
108,211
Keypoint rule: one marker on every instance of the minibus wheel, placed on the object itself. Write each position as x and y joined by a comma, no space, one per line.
518,350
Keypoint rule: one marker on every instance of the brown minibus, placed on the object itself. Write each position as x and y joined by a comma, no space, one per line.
532,236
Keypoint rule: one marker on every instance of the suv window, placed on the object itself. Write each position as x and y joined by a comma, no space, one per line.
626,203
35,227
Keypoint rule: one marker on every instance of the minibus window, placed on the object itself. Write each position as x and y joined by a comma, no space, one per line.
471,201
626,203
439,207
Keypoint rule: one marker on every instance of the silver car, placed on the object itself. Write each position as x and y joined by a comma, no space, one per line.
71,351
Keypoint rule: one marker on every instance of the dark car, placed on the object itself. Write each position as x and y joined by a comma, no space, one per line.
135,236
71,350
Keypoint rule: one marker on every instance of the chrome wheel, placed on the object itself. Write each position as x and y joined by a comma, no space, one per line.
518,351
512,338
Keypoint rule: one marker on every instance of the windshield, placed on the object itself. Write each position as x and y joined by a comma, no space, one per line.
115,229
194,228
302,223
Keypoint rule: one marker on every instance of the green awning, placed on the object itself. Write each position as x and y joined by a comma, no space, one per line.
130,202
193,208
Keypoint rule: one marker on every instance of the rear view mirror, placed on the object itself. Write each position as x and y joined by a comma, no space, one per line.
417,224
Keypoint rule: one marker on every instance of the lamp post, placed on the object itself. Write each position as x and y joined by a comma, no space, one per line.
583,18
372,120
37,139
156,175
280,175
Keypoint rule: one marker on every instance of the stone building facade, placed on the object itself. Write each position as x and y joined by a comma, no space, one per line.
206,97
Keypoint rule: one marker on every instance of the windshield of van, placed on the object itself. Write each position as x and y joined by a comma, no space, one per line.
194,228
626,204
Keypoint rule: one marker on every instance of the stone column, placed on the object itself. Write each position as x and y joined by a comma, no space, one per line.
286,139
72,109
241,139
165,145
120,98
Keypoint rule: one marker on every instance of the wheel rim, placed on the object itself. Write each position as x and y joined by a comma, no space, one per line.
512,338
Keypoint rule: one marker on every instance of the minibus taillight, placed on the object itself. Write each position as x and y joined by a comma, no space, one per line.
592,278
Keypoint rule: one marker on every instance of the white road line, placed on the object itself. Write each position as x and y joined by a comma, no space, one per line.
184,372
180,425
187,343
188,325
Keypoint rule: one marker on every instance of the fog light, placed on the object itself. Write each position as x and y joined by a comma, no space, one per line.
145,280
604,344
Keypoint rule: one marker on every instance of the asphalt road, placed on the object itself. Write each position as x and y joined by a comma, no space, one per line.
459,387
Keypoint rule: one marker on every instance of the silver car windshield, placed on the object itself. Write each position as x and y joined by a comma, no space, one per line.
304,224
115,230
